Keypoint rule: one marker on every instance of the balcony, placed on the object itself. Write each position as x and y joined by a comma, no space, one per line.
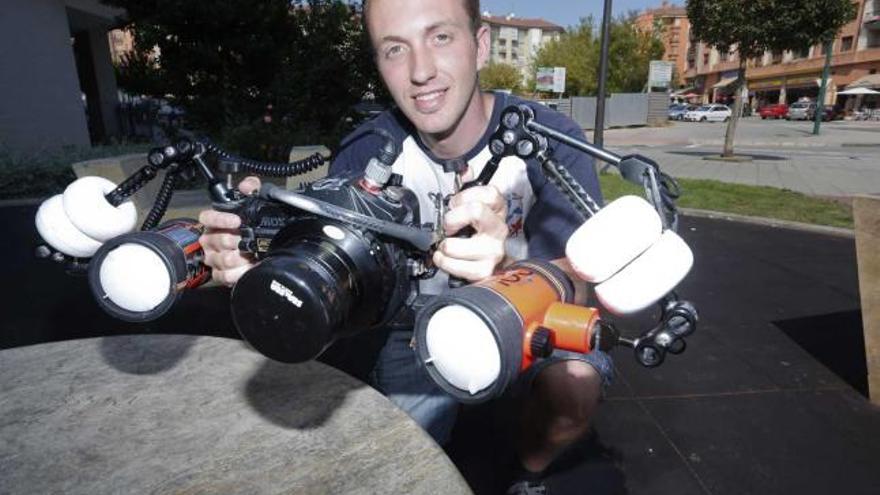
872,21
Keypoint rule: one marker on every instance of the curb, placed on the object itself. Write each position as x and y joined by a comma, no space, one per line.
770,222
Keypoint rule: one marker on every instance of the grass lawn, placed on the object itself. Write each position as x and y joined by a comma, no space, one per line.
756,201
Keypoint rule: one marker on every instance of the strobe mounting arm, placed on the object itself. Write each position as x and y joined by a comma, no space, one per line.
521,135
677,321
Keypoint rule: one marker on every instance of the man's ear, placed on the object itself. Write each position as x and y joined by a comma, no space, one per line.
483,41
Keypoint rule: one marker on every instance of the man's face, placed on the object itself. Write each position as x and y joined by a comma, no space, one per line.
428,57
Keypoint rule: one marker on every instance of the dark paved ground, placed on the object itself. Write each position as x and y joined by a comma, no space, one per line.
768,398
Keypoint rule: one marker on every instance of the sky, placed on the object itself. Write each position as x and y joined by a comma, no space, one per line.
563,12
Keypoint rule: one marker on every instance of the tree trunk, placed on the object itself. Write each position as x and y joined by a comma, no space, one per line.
737,108
820,101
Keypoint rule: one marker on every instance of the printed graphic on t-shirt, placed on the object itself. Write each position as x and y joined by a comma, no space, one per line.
515,214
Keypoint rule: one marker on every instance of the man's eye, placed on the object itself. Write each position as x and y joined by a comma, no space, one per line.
442,38
393,51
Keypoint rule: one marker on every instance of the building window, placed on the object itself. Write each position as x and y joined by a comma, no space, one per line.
705,59
725,56
846,43
802,52
776,58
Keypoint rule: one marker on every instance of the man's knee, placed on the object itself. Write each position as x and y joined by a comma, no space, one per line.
571,388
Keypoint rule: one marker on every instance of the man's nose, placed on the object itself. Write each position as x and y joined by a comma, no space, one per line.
423,67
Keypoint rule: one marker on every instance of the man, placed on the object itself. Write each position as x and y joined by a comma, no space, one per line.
429,53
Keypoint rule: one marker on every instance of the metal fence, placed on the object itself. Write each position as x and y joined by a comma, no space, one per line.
621,109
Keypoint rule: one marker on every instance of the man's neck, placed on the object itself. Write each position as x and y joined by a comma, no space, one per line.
467,131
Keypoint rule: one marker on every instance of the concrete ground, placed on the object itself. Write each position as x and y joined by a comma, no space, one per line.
767,399
843,160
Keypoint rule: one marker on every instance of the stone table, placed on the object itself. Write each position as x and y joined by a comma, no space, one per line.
182,414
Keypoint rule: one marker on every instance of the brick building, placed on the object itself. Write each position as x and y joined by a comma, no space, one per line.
672,21
775,77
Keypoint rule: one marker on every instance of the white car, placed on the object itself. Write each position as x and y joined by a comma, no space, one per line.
709,113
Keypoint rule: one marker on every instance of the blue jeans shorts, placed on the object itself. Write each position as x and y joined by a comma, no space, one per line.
399,375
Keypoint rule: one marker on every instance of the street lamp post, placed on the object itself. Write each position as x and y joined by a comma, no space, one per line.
598,133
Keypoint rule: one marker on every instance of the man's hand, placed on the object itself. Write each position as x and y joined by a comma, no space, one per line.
221,238
476,257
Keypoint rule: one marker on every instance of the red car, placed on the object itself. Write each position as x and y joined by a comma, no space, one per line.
777,111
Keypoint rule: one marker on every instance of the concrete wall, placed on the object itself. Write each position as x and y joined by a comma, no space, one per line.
41,105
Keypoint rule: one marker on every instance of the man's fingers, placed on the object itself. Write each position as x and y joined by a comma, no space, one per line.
231,276
226,260
487,195
468,270
219,220
476,248
220,241
249,184
480,216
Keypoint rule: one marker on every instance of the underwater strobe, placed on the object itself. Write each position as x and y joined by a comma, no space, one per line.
138,276
465,337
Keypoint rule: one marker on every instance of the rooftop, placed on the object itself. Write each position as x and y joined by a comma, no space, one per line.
667,9
520,22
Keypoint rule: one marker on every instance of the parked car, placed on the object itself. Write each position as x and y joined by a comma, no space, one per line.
676,112
801,110
777,111
829,113
709,113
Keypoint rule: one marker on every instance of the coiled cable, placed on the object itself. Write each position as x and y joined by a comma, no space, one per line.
163,199
270,169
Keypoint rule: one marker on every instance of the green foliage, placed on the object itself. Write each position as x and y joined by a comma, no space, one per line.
629,56
756,26
500,76
577,50
44,174
262,72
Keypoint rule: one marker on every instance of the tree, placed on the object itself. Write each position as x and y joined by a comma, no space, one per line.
262,75
630,54
500,76
753,27
577,50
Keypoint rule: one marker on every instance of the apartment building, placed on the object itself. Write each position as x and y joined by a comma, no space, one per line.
672,21
784,77
516,41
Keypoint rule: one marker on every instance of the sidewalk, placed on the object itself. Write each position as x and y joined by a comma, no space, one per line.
844,160
752,132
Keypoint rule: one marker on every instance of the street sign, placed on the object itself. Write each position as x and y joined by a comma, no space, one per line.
660,74
550,79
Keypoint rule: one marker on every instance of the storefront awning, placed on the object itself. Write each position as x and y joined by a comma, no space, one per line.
679,92
869,81
727,81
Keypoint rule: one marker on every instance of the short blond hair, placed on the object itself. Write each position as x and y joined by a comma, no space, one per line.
472,7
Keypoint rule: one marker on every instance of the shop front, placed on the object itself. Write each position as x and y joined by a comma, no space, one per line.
782,89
